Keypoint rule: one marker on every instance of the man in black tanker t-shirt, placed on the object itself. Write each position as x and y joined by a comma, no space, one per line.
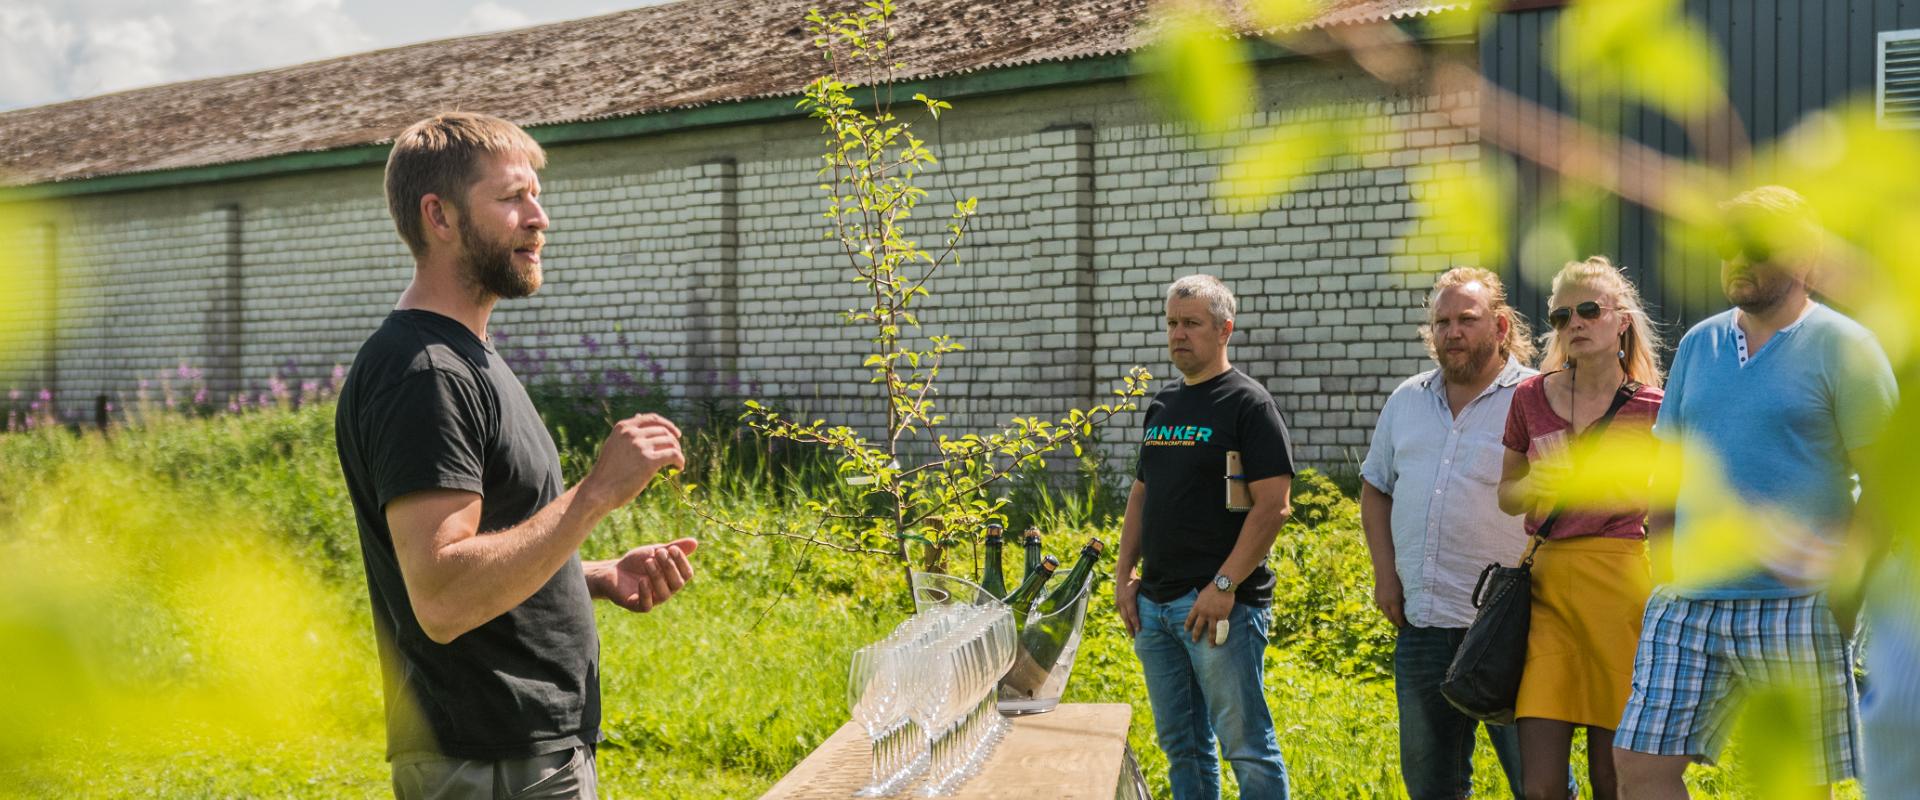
481,605
1199,615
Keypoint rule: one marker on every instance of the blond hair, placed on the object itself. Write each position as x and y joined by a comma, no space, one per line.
1640,342
440,155
1519,340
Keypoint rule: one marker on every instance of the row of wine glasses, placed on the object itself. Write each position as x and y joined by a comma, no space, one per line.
925,696
959,702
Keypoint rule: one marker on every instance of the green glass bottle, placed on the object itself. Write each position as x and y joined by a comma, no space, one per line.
1021,601
992,575
1032,546
1064,591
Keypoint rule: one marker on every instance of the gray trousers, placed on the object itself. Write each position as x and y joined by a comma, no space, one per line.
561,775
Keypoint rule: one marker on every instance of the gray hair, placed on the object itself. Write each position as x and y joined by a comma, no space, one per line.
1220,301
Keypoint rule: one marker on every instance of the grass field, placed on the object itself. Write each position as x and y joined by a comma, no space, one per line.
182,614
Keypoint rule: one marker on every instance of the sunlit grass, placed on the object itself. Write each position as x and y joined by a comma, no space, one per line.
182,621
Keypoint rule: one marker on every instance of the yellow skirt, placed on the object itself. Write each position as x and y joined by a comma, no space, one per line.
1589,594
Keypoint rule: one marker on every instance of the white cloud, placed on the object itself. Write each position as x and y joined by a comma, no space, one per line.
123,53
54,50
222,33
492,16
34,47
57,49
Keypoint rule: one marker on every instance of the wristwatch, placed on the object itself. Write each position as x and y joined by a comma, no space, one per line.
1223,583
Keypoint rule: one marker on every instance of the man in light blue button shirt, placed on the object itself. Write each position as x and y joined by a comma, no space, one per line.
1433,523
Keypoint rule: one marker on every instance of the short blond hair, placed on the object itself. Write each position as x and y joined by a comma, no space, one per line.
440,155
1519,340
1777,217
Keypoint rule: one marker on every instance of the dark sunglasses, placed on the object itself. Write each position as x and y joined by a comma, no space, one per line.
1559,317
1756,251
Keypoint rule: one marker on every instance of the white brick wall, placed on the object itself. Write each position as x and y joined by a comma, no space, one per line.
706,249
26,309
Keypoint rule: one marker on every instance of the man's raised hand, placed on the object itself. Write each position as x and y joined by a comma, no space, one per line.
635,451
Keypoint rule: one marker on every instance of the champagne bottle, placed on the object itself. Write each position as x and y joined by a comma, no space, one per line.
1065,591
1045,637
1021,601
992,575
1033,552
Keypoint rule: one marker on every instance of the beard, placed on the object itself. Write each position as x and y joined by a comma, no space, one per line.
1467,366
1765,287
489,266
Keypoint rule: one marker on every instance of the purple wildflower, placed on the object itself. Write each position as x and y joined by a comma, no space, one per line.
592,345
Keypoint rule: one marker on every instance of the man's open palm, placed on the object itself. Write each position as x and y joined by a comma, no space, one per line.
647,575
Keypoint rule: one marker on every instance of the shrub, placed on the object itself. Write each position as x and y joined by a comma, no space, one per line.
1323,602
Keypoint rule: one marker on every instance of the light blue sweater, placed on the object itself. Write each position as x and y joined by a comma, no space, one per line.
1779,427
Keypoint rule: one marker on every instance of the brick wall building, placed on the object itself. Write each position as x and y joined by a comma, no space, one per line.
699,237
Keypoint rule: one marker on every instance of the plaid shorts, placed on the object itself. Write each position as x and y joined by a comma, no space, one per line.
1697,658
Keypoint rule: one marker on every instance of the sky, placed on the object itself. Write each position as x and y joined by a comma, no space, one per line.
55,50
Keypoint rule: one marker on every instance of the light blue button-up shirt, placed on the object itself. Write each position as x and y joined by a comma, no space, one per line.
1441,472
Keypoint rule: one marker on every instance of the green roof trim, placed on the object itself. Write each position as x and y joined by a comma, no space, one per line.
984,82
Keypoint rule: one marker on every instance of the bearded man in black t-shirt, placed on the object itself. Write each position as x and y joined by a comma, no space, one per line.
481,604
1199,613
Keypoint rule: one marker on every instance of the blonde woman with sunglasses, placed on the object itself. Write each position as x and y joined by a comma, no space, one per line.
1590,574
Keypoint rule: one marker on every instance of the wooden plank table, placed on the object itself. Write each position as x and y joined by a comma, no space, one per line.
1074,752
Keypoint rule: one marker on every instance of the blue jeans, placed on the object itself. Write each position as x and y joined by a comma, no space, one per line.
1199,691
1436,740
1890,706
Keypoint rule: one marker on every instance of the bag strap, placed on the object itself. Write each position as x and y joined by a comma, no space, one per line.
1625,393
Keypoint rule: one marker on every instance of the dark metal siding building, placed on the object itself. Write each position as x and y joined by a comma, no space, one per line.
1785,59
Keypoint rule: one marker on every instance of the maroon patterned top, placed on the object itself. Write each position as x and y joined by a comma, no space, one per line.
1535,430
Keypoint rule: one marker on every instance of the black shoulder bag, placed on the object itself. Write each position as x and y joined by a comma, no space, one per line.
1484,679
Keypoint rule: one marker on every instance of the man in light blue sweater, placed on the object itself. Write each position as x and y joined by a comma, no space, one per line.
1773,401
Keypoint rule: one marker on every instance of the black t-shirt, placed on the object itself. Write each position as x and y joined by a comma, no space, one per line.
427,405
1188,530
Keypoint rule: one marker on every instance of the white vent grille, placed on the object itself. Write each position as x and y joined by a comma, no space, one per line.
1899,79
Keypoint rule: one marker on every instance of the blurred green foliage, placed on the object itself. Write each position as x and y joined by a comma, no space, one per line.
182,613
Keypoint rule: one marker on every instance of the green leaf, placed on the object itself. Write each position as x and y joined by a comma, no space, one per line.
1648,51
1197,68
1268,168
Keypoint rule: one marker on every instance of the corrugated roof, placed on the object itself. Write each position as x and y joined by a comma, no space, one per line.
659,58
